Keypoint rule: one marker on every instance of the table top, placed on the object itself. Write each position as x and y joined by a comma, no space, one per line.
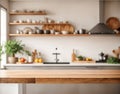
59,76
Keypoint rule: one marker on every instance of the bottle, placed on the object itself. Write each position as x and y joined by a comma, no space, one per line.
73,56
40,60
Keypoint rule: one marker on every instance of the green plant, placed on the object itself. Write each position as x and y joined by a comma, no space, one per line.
80,58
113,60
13,46
28,52
1,52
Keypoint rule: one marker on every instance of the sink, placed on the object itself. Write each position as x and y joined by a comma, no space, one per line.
56,62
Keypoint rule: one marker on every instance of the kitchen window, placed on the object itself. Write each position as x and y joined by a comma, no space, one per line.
3,31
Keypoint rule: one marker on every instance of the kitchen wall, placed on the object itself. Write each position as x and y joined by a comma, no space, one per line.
4,3
112,9
82,14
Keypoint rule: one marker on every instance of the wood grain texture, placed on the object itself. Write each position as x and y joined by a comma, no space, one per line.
17,80
60,76
77,80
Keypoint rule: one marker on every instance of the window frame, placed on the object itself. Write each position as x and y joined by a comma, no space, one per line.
3,61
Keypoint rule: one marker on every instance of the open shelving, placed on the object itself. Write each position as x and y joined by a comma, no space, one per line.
38,23
38,35
45,24
28,13
25,24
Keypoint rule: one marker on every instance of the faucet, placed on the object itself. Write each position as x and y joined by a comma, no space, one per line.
56,55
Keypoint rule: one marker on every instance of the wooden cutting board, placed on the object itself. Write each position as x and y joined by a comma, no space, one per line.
59,27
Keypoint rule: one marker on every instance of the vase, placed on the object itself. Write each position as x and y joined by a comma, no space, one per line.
30,59
11,60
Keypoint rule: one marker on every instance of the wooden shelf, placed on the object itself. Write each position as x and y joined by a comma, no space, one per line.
23,13
39,23
38,35
26,23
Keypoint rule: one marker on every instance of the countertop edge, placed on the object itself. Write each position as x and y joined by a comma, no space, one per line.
62,65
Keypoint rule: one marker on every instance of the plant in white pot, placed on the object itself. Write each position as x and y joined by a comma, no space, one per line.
30,57
13,47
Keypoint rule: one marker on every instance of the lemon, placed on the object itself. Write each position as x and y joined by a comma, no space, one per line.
40,60
36,60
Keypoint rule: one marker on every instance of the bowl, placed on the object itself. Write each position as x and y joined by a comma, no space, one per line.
64,32
56,32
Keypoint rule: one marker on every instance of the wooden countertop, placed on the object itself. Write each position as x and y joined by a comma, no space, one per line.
59,76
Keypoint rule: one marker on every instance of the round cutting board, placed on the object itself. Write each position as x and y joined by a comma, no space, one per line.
113,23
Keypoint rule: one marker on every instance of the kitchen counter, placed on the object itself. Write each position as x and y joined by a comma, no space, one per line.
60,76
65,65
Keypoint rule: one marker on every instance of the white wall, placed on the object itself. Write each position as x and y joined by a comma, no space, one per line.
88,46
81,13
112,9
4,3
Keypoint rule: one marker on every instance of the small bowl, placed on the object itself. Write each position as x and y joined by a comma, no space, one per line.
64,32
15,21
56,33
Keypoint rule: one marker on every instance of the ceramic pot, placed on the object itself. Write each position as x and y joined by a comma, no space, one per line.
30,59
12,60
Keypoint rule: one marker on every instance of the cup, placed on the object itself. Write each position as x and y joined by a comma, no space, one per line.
47,31
28,21
20,21
33,21
52,31
56,33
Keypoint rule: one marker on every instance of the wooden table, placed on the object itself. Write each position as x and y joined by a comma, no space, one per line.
59,76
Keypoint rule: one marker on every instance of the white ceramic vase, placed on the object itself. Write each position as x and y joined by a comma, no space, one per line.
30,59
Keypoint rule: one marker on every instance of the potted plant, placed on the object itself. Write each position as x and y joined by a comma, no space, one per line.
13,47
30,58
